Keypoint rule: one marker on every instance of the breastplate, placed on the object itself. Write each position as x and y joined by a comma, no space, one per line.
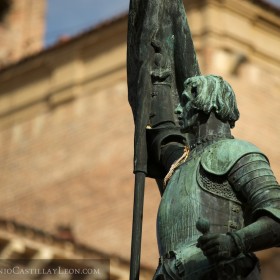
190,194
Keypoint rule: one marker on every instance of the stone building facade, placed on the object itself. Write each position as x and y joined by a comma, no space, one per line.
22,26
66,141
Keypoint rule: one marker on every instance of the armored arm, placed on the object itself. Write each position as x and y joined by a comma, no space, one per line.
249,173
255,183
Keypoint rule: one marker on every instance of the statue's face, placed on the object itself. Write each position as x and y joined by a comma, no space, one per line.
187,115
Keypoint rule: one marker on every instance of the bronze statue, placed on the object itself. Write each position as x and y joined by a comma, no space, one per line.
220,199
224,188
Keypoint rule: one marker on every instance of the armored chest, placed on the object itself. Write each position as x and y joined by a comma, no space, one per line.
193,192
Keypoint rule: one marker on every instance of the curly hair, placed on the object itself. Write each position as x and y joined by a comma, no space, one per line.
213,94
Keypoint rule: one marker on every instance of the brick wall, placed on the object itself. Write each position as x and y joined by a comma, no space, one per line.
73,166
22,30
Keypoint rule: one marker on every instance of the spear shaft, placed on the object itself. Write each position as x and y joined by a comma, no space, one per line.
137,225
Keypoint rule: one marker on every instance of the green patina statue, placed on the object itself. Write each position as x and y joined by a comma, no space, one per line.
220,200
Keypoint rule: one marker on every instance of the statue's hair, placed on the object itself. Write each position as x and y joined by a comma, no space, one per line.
213,94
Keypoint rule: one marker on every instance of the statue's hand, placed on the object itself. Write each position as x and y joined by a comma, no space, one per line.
217,247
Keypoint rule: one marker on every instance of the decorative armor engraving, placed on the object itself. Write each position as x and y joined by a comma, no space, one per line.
217,185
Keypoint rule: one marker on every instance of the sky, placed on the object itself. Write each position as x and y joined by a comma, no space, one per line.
276,2
70,17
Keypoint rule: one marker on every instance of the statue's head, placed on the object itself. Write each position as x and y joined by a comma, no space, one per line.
203,95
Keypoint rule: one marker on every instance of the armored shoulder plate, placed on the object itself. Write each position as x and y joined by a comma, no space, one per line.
220,157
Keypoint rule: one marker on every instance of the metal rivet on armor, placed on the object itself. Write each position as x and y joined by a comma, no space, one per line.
233,225
235,209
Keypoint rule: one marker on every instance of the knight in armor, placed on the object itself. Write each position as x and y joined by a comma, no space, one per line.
220,199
